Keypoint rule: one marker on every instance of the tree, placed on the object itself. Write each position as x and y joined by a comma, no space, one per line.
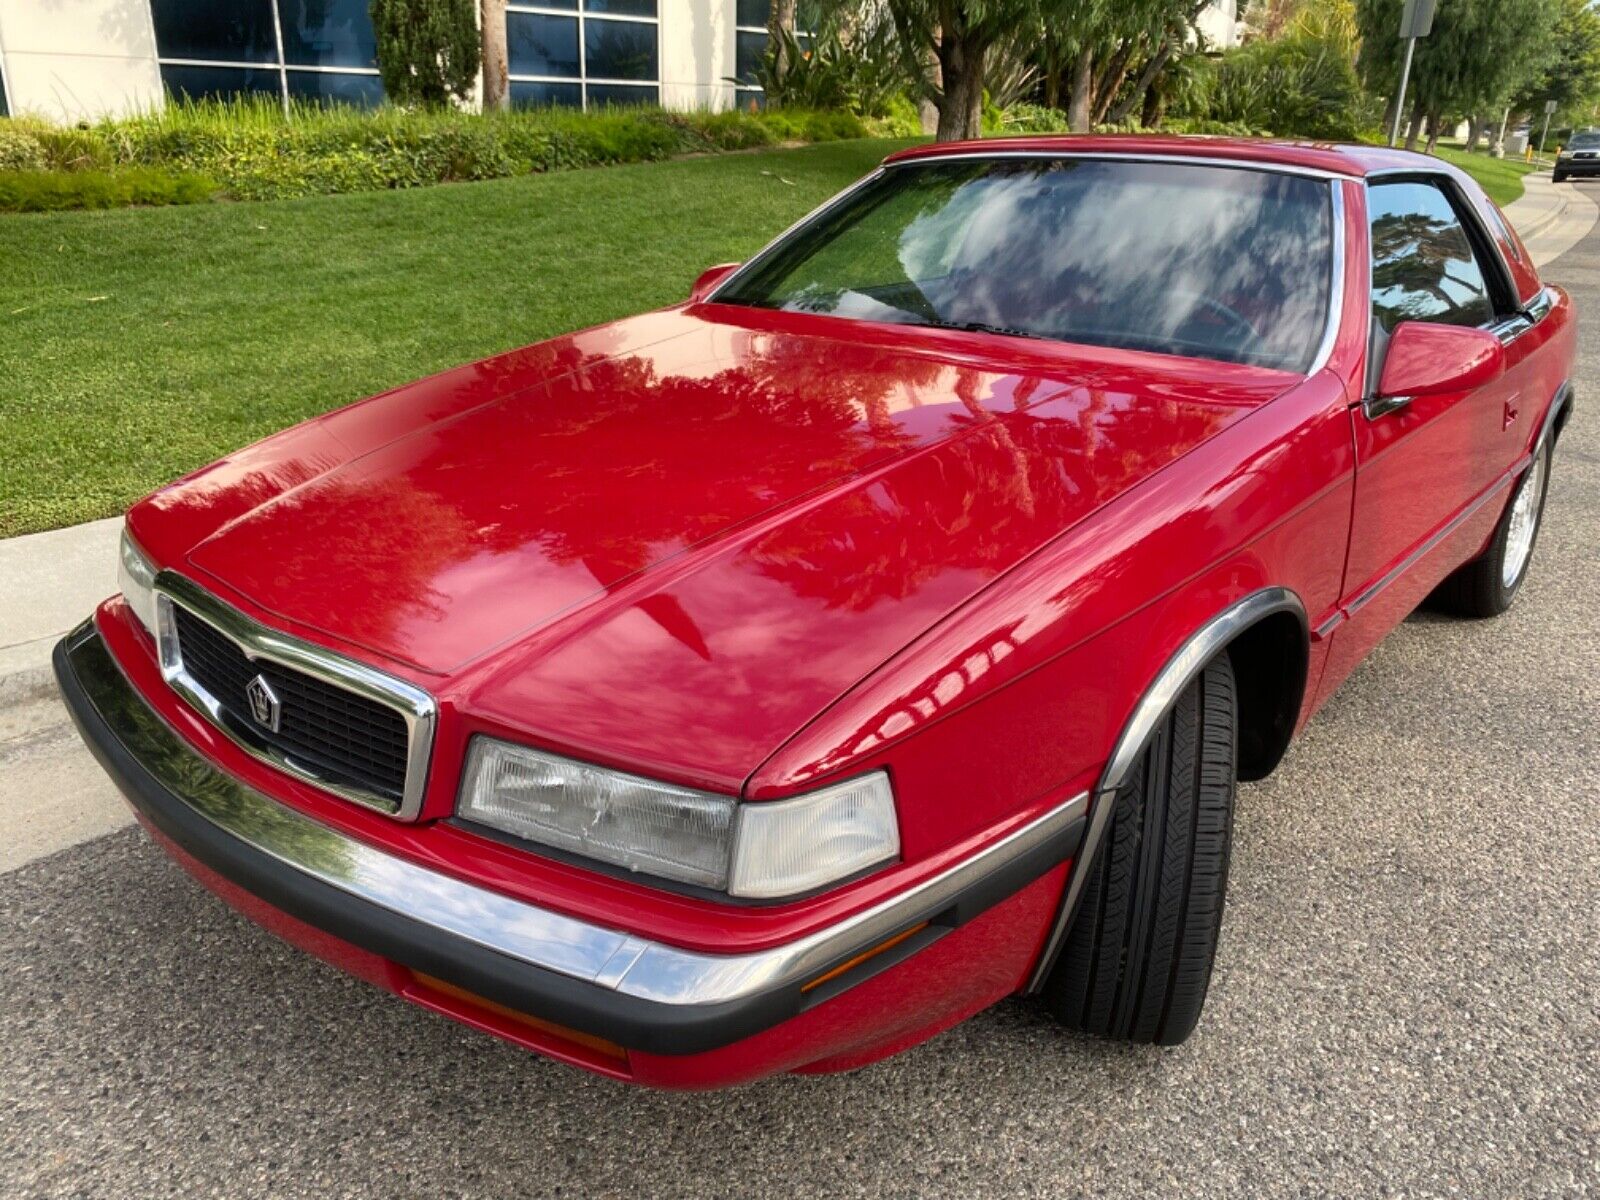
428,51
496,86
781,35
1099,50
1571,76
1479,54
959,34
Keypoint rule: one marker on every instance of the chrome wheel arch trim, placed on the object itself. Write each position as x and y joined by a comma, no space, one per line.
1180,670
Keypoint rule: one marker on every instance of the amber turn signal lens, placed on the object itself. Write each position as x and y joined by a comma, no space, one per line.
588,1041
863,957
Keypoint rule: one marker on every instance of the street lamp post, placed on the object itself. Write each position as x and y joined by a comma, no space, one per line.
1416,21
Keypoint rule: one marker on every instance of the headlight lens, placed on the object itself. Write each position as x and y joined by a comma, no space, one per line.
761,851
136,576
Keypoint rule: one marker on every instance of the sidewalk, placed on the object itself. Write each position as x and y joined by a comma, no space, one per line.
1551,217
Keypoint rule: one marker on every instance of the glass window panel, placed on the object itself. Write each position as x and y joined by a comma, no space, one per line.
614,95
327,33
619,50
1193,260
225,30
752,12
546,95
622,8
541,45
749,50
219,83
330,87
1423,268
5,110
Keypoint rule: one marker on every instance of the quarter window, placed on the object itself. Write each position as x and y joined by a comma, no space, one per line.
1424,267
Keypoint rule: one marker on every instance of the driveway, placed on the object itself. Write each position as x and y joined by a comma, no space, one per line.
1407,1000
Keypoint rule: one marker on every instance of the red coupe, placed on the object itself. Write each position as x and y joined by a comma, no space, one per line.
770,682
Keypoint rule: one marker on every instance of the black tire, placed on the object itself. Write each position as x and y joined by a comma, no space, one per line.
1479,588
1558,179
1137,960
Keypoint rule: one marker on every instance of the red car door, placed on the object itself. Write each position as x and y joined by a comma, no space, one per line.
1427,468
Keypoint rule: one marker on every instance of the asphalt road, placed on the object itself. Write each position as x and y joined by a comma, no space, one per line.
1407,1001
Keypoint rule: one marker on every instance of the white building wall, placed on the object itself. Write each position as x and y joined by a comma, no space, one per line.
697,54
73,60
1219,22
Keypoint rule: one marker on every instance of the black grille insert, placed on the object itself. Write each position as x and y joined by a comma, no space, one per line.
333,734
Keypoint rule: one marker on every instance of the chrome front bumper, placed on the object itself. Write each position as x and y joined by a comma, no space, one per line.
640,993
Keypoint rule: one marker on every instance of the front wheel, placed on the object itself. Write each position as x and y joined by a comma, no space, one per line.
1559,179
1137,961
1486,586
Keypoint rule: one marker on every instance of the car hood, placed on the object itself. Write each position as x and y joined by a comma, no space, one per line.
699,526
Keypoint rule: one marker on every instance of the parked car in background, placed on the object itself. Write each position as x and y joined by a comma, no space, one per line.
1580,156
770,682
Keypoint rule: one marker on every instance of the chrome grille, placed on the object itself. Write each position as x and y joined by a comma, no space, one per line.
331,720
334,733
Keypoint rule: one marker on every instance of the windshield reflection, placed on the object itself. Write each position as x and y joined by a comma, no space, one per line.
1177,258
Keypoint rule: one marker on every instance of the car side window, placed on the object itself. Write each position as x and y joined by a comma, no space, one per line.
1424,267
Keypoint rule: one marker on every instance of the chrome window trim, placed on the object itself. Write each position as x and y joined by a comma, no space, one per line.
258,642
1336,232
610,958
1201,160
1180,669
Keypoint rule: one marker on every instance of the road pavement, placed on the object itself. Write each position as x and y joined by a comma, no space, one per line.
1407,1000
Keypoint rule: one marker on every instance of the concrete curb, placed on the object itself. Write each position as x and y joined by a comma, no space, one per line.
48,583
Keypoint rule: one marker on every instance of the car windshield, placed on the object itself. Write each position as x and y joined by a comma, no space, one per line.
1584,141
1173,257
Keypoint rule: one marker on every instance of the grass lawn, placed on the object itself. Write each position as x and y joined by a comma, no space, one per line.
138,344
1500,177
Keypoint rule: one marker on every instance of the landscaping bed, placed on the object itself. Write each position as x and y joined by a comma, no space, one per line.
247,150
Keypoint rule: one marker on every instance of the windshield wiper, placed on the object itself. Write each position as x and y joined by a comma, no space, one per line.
985,327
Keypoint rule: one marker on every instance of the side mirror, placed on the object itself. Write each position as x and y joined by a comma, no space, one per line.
1425,359
709,278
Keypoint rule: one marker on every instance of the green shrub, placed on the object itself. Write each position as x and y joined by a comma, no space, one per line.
254,153
46,191
900,119
1300,86
20,151
1209,128
1033,118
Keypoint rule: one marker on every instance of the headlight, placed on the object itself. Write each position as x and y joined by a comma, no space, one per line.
763,850
137,577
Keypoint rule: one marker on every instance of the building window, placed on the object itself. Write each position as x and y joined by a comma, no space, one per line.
584,53
750,43
320,50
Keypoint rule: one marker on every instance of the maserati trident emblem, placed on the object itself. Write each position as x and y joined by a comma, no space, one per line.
263,703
